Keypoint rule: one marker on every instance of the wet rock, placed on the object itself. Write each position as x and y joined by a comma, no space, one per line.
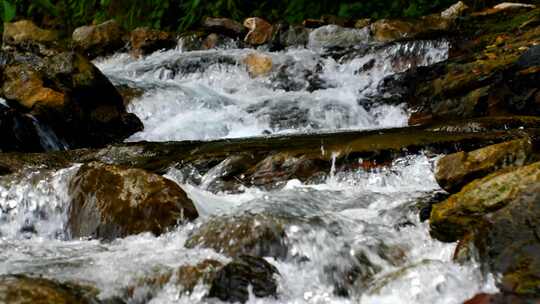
223,26
391,30
25,290
129,93
361,23
285,35
500,298
99,40
258,64
456,170
259,235
206,271
508,242
231,283
18,133
531,58
144,40
68,93
25,32
214,41
455,11
334,36
313,23
110,202
260,31
504,7
464,211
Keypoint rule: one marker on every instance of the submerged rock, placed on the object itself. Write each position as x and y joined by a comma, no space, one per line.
144,40
26,290
456,170
260,31
232,282
258,64
258,235
110,202
99,40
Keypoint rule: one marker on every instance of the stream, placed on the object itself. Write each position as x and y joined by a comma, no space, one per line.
366,219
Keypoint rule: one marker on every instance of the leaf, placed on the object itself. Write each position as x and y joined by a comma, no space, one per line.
8,11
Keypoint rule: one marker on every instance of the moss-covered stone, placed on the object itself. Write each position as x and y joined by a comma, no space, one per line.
464,211
456,170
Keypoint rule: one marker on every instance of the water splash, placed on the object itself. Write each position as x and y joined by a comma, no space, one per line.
209,94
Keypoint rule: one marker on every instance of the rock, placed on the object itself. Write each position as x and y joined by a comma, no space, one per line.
385,30
25,290
260,31
214,41
285,35
231,283
464,211
18,133
69,94
455,10
511,5
129,93
508,242
110,202
223,26
145,41
26,86
456,170
334,36
99,40
531,58
258,64
189,276
313,23
499,298
26,32
361,23
259,235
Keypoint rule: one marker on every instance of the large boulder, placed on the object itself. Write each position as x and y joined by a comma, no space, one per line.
144,41
99,40
110,202
259,235
68,93
335,36
456,170
260,31
232,282
463,212
26,290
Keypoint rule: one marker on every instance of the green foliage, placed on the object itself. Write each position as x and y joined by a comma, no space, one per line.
184,14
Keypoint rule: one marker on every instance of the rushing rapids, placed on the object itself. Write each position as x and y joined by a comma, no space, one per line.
352,237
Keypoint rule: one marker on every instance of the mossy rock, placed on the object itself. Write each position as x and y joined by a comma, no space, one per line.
456,170
464,211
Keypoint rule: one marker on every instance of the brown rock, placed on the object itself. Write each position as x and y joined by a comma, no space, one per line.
20,289
456,170
25,31
258,64
24,85
313,23
259,235
223,26
385,30
455,10
144,41
110,202
189,276
361,23
99,40
260,31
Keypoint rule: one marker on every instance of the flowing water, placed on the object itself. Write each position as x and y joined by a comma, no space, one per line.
209,95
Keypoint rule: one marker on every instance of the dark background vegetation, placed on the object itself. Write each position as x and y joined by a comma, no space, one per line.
184,14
